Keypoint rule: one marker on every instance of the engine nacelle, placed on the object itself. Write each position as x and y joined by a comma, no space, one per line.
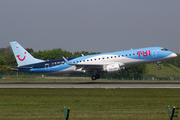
113,68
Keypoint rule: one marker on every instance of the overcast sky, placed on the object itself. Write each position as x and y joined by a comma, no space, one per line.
90,25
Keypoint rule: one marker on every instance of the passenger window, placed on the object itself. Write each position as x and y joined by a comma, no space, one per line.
122,55
114,56
107,57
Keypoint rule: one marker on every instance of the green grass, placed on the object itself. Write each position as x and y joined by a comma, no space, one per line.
166,70
87,104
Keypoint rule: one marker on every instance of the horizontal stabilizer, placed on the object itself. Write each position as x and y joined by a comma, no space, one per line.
16,68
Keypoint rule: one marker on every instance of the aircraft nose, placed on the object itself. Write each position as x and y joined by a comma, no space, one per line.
174,55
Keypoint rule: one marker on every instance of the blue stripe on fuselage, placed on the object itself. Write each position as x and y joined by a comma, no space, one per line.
52,69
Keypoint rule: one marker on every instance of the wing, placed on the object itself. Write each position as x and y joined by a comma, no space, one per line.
86,67
89,67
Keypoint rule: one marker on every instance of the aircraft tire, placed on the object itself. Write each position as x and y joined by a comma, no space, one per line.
159,68
93,77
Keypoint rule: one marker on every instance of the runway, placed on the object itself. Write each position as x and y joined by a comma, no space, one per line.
90,85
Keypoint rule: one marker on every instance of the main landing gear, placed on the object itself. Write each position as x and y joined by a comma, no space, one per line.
96,76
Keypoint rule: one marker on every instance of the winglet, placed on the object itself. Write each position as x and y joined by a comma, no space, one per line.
66,60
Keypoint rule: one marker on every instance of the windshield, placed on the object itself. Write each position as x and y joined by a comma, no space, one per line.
164,49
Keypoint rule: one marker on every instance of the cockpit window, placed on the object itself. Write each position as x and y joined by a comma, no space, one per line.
164,49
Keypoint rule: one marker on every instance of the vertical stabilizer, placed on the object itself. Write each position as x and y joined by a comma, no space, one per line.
22,56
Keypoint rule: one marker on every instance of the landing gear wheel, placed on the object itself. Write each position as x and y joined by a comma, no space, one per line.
159,68
93,77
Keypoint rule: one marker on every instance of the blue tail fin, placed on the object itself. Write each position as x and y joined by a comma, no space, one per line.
22,56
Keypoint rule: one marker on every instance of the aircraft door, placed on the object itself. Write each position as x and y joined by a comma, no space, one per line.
154,53
47,67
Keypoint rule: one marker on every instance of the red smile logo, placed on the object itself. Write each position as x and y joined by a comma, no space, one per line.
20,58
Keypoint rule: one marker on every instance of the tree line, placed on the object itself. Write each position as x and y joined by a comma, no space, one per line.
7,59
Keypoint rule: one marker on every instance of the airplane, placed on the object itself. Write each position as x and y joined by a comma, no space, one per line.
106,62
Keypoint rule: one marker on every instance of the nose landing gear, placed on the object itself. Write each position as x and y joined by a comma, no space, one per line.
159,68
158,63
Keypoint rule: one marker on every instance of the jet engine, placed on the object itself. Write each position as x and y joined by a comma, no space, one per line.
113,68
